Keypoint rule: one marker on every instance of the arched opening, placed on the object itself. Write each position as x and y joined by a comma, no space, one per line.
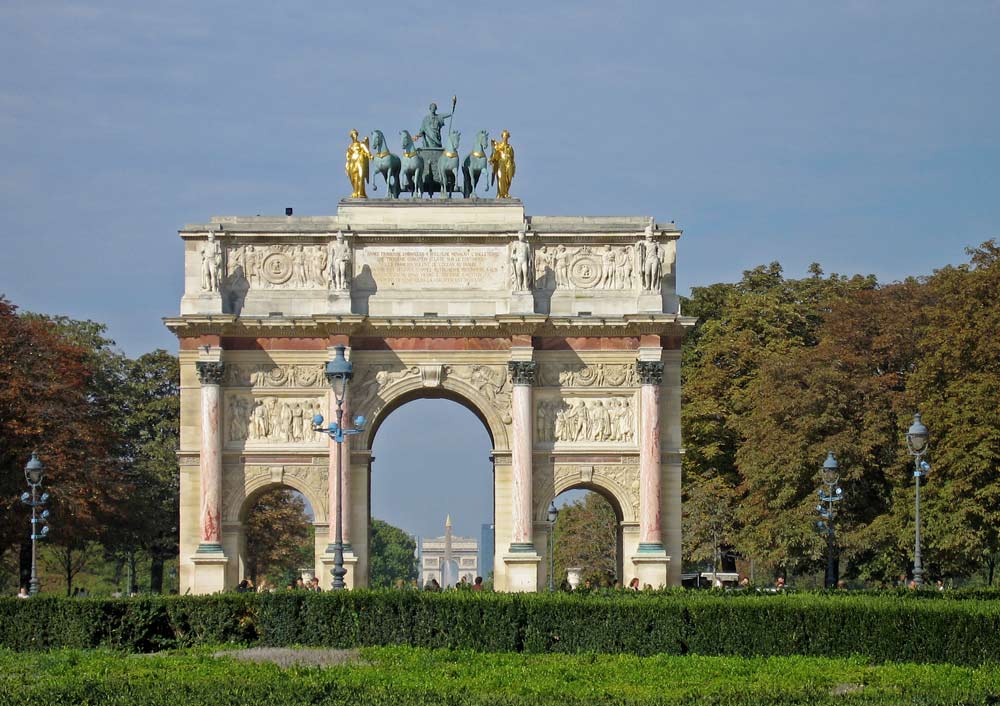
587,541
433,479
277,545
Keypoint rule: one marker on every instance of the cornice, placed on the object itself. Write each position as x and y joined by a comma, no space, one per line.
427,326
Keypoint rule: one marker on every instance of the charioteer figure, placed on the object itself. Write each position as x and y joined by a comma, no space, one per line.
430,128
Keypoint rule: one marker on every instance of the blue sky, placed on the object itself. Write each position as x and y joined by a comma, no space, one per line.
862,135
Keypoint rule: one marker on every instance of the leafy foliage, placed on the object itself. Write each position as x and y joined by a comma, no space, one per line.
392,556
277,531
882,628
586,537
780,371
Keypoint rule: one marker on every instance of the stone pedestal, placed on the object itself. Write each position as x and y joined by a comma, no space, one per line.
339,302
651,568
203,303
209,572
650,302
522,303
522,571
350,563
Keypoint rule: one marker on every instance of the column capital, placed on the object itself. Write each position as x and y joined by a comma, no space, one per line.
650,372
522,372
210,372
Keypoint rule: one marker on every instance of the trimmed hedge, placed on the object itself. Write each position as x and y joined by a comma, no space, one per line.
883,628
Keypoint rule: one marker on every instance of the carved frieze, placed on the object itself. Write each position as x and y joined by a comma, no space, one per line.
272,420
611,267
586,420
593,375
269,375
279,266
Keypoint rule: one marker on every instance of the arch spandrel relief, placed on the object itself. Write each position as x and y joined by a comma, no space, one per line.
486,387
243,481
621,481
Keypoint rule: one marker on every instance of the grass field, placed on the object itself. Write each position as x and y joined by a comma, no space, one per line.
399,676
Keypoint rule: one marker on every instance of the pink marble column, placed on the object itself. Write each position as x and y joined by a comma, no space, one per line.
345,480
522,374
210,478
650,531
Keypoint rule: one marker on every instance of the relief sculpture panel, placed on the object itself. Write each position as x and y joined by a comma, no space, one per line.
269,375
272,420
594,375
594,420
586,267
279,266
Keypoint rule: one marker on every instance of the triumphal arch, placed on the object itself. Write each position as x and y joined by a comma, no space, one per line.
561,334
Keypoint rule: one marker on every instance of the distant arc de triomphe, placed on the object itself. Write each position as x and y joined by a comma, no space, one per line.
561,334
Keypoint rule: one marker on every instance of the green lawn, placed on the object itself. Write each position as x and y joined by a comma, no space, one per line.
398,676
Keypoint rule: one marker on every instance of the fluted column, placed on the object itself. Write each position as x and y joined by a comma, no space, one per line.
522,375
210,374
650,531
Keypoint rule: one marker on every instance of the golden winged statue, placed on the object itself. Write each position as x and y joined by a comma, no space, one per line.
502,161
356,165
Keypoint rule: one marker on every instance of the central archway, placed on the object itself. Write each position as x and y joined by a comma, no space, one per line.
382,385
433,479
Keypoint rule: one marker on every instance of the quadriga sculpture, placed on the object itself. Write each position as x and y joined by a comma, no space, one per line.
386,163
448,163
412,166
475,165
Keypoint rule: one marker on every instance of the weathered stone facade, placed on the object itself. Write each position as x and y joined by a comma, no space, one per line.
576,378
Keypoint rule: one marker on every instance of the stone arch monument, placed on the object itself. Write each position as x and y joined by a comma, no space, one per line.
550,329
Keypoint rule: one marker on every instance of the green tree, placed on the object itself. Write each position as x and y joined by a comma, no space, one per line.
54,399
277,530
586,536
393,555
846,394
956,386
149,424
742,326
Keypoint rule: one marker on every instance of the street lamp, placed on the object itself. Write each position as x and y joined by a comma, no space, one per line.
831,493
916,443
553,516
338,374
34,472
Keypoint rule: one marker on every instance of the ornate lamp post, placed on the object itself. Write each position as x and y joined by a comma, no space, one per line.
338,374
34,472
829,494
553,516
916,443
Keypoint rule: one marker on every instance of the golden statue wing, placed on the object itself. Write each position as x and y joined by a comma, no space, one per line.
513,166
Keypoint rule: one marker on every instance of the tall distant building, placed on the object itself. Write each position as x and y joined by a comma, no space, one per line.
449,558
486,544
